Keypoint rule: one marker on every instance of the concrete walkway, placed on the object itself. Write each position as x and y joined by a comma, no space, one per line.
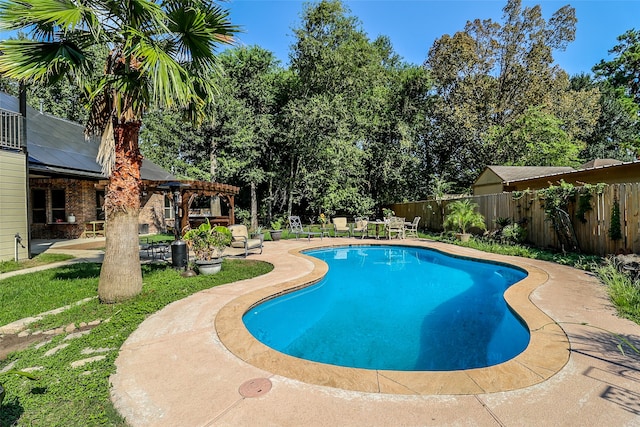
174,370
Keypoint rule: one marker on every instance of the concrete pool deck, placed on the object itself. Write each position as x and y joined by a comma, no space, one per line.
175,370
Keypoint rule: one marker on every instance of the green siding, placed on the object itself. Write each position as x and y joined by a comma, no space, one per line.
13,204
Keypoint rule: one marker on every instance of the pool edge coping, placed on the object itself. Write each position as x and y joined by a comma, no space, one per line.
547,353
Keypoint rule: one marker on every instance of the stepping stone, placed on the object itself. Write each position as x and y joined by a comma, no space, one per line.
79,363
42,344
8,367
76,335
54,350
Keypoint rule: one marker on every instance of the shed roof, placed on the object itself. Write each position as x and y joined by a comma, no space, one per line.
596,163
599,164
515,173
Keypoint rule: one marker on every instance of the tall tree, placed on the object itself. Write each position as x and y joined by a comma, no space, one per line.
616,135
624,70
489,76
251,72
159,54
350,127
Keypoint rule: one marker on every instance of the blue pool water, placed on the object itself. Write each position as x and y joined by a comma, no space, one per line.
396,308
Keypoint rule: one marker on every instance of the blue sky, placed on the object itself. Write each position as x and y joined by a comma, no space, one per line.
414,25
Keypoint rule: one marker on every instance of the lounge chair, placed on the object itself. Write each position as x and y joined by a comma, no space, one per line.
295,226
395,225
411,228
240,239
340,226
361,226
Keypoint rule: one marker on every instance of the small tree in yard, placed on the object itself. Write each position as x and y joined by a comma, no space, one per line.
462,216
157,53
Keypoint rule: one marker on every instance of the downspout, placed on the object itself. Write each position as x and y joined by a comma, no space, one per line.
22,98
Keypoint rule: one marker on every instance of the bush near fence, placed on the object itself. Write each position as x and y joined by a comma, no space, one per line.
592,235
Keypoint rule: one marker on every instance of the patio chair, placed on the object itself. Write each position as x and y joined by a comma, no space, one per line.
395,225
240,239
411,228
340,226
295,226
361,226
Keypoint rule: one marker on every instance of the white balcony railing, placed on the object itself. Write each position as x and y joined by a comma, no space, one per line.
11,129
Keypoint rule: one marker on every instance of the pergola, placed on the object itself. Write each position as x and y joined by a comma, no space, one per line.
187,190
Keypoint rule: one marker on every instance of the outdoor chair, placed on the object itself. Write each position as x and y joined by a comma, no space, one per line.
395,225
295,226
411,228
361,226
240,239
340,226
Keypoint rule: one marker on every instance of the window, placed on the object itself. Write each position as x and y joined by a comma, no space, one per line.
39,206
100,205
58,212
168,207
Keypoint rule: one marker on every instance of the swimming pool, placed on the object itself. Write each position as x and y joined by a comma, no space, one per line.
396,308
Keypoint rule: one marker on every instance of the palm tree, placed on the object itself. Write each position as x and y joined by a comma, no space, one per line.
156,54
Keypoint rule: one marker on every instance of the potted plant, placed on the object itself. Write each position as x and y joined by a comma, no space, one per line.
387,213
207,243
276,229
461,217
257,233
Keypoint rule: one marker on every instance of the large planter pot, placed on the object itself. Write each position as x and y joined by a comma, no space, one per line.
463,237
275,234
209,267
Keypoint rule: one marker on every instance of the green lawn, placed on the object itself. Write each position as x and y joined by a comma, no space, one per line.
42,259
65,396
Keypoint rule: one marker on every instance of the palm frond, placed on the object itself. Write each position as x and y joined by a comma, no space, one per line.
62,14
198,29
39,61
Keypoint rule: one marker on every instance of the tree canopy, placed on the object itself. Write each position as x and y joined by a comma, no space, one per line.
348,127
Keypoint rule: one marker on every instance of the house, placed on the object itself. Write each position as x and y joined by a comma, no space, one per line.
52,186
498,179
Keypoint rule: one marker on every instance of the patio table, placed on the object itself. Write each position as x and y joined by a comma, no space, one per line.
378,223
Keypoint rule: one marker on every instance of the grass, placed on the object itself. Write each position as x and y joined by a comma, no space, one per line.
584,262
66,396
42,259
623,291
30,294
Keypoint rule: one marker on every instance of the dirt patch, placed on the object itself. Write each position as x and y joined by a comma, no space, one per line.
12,342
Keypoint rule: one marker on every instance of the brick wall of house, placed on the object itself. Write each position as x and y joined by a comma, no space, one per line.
81,201
152,214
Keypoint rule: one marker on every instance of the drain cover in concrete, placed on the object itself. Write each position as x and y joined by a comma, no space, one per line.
255,387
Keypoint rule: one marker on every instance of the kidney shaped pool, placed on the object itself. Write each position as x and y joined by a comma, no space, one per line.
396,308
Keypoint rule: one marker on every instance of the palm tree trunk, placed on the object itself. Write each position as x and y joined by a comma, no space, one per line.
121,275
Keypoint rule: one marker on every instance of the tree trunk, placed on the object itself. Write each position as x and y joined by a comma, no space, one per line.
254,206
121,275
213,158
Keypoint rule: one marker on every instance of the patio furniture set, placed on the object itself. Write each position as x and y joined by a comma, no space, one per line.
390,227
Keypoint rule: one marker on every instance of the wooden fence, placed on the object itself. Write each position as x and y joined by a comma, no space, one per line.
592,235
